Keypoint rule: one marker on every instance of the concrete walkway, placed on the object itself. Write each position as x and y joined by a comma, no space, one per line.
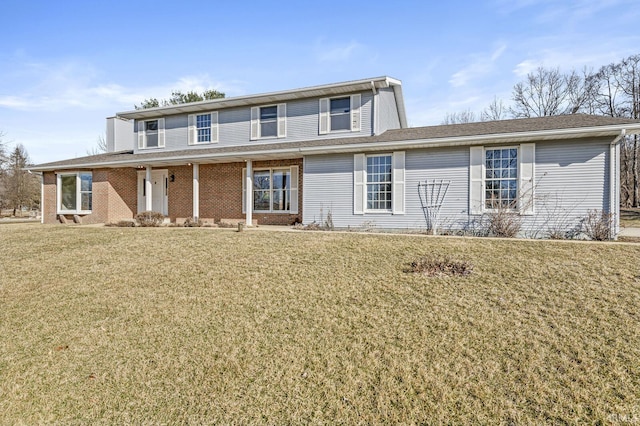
629,232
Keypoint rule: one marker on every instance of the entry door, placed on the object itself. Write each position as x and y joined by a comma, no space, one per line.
159,191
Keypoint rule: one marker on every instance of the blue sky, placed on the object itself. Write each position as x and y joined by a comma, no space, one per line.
67,65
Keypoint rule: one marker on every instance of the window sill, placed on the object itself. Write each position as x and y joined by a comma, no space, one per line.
273,211
203,143
73,212
150,147
378,212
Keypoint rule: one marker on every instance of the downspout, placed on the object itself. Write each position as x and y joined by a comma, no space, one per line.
374,109
614,183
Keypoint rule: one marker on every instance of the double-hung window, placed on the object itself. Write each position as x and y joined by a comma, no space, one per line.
379,183
269,121
151,133
274,190
502,177
74,192
341,114
203,128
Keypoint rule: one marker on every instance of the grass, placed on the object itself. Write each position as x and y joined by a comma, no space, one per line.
193,325
630,217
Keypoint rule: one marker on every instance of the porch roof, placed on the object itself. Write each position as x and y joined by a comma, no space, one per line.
564,127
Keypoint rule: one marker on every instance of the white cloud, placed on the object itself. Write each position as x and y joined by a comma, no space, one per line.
481,65
336,52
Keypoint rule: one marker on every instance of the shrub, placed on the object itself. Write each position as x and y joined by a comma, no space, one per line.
150,218
503,223
597,225
433,266
192,223
125,224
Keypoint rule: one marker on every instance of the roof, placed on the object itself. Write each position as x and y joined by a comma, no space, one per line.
574,126
274,97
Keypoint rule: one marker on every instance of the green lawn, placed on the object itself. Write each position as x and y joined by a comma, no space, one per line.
135,325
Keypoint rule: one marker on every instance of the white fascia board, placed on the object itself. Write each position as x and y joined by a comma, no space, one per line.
272,97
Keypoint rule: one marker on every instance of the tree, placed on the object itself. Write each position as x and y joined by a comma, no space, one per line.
495,111
177,98
548,92
21,188
466,116
100,146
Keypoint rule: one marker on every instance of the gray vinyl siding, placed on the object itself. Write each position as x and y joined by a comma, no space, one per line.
234,126
571,179
119,135
387,110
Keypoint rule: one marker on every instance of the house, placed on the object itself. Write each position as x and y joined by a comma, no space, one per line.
342,149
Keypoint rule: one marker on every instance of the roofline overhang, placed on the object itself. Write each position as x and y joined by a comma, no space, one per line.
296,152
272,97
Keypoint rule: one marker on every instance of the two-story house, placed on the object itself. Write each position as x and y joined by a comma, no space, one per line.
344,149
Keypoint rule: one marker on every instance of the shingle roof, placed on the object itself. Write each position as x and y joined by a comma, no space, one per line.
422,136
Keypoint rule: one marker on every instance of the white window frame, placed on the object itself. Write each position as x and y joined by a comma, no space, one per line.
281,122
360,184
517,202
355,107
79,192
525,178
367,183
293,189
142,133
193,128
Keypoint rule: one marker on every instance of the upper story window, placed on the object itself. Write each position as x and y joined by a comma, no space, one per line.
74,192
340,114
269,121
203,128
151,133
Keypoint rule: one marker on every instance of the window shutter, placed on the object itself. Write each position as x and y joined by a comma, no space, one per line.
355,113
161,132
359,183
324,116
526,168
255,114
282,120
244,190
214,126
398,182
476,157
192,137
141,134
293,209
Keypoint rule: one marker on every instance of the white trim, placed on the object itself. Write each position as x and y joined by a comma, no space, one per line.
476,179
275,169
398,182
359,183
366,183
196,191
78,209
355,107
249,194
526,178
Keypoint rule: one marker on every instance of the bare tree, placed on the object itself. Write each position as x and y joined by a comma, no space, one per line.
549,92
100,147
21,188
466,116
495,111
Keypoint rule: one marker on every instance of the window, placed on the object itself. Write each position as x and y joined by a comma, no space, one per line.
203,128
151,134
75,192
340,114
269,121
274,190
379,182
501,178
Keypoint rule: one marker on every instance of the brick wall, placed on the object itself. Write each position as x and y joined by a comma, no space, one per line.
115,194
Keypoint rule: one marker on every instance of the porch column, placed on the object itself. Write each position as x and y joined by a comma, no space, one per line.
196,191
249,194
148,190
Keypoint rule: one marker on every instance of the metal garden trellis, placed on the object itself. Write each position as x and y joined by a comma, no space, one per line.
432,193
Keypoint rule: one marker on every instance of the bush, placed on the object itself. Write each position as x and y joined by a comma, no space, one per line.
433,266
504,223
597,225
150,218
192,223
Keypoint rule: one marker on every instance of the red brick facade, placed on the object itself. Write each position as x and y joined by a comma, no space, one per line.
115,193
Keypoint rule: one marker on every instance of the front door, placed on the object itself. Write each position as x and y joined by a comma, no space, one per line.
159,191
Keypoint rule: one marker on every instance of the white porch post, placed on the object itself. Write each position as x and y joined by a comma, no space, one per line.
196,191
249,194
148,190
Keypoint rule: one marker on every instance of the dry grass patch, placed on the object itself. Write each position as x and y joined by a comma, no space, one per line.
193,325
